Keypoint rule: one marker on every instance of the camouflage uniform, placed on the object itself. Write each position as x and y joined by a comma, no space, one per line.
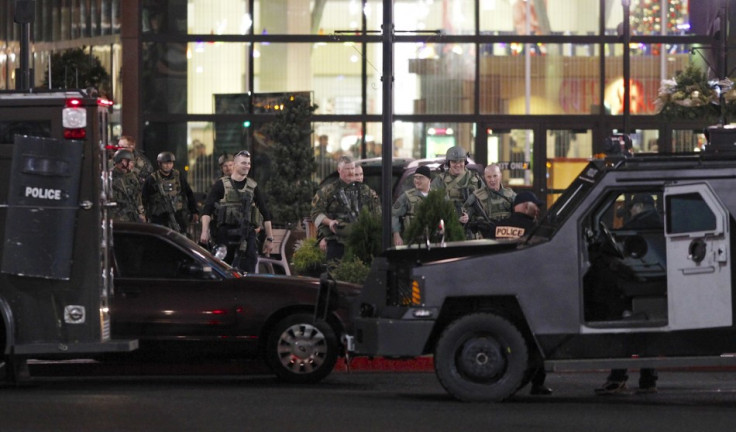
126,192
141,167
404,210
342,202
459,188
496,204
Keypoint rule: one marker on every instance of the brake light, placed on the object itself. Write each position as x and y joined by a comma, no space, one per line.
74,119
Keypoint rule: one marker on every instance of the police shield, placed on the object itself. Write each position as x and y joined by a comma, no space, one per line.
42,206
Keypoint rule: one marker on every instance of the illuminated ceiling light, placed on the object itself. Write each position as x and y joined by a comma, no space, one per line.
457,49
354,58
199,69
256,54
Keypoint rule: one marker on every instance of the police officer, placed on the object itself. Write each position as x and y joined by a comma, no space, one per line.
167,197
140,166
226,165
406,205
491,203
126,190
458,181
233,202
523,219
337,205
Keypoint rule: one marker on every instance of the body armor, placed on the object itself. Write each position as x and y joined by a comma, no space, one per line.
229,210
173,194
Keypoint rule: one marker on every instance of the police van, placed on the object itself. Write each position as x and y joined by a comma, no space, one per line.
55,274
591,286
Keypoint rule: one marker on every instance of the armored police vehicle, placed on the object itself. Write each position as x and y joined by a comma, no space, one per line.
55,277
631,267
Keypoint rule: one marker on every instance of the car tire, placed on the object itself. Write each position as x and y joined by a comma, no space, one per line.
299,350
481,358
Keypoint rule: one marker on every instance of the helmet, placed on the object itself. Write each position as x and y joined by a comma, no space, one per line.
224,158
165,157
455,153
122,154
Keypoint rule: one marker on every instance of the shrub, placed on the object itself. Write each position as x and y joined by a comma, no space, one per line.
350,269
434,208
308,258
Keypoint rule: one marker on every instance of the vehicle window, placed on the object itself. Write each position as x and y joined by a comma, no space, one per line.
140,256
8,129
689,213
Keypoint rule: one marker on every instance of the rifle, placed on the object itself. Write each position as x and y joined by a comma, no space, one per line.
352,215
171,209
486,226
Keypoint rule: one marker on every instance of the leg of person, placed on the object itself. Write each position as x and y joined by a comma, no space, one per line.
615,383
250,259
647,381
538,387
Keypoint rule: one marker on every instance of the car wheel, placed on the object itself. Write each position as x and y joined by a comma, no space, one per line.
481,358
299,350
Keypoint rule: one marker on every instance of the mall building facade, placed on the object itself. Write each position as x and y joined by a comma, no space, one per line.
535,85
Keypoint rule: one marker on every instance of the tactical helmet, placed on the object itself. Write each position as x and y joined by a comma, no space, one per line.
224,158
456,153
165,157
122,154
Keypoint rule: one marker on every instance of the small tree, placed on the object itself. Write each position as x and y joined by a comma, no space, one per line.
74,68
289,187
434,208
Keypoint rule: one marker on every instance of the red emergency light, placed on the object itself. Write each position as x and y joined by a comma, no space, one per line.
74,119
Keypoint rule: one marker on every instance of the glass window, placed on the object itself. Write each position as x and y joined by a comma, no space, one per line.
512,150
555,79
451,18
569,17
688,140
434,78
661,17
164,77
139,256
689,213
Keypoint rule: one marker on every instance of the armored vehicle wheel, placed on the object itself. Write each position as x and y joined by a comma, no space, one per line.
299,350
481,358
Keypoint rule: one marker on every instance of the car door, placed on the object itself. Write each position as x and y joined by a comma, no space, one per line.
698,264
164,292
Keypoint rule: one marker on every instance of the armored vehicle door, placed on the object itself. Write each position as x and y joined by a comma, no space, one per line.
698,265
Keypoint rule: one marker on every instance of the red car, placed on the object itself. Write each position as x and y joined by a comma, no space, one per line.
177,299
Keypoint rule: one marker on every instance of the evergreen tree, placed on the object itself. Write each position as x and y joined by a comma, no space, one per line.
434,208
289,188
74,68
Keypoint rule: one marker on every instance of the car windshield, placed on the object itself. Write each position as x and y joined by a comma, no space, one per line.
567,202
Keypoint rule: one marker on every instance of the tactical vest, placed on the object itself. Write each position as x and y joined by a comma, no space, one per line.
496,204
173,193
455,185
414,197
229,209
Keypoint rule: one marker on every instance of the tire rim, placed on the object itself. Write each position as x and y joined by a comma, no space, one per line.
481,359
302,348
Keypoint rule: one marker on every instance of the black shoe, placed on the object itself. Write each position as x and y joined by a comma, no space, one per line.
646,390
540,390
611,387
